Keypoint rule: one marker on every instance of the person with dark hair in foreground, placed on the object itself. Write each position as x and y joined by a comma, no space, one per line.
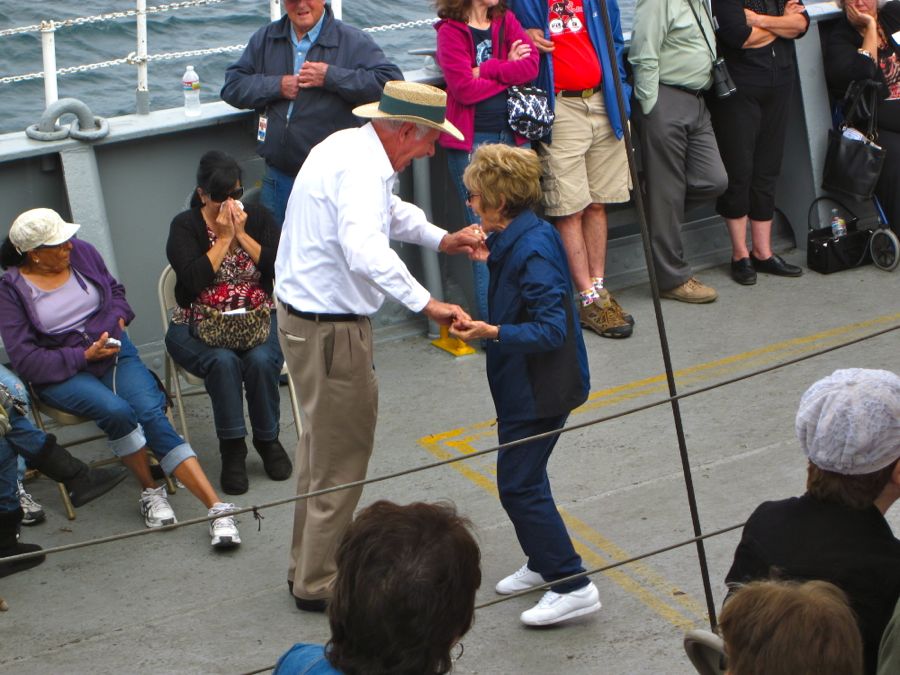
404,594
786,628
848,425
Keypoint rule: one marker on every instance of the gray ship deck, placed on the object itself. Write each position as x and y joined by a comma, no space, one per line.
167,603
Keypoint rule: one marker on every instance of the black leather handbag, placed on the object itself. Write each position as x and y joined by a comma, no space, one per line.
853,161
826,253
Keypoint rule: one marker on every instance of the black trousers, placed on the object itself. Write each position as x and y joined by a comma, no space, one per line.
750,128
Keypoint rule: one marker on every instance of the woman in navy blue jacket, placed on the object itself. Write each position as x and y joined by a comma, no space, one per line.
536,367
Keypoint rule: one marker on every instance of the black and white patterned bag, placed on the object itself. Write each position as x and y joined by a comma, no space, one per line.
529,112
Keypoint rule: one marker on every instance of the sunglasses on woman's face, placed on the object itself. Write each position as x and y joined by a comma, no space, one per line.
237,193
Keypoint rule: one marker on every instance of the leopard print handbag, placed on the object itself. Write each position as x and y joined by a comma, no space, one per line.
239,332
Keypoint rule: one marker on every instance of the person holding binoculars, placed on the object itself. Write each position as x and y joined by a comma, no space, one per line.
756,39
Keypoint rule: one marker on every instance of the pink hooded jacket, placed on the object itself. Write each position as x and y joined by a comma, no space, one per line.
456,57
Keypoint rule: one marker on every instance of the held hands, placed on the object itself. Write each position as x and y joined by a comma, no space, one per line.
466,329
519,50
290,86
224,227
467,240
238,216
99,351
312,74
794,7
444,313
543,45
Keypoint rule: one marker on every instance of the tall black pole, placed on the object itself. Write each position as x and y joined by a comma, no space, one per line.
660,323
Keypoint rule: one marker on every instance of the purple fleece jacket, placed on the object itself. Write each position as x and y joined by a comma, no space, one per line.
456,57
42,358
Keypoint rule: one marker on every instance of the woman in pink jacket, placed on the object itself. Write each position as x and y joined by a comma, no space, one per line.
478,73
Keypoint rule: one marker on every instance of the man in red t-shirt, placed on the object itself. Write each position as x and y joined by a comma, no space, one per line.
585,163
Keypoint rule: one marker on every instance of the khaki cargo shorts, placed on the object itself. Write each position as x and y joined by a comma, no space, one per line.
585,163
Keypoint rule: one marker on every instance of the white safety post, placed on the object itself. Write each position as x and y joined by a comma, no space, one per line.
336,8
143,84
275,9
48,47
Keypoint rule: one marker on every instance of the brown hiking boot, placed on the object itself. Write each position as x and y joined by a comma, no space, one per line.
604,317
604,294
692,291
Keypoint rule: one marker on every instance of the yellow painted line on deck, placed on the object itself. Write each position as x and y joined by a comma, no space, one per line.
639,579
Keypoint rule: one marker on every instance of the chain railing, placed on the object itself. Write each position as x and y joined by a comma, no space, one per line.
140,57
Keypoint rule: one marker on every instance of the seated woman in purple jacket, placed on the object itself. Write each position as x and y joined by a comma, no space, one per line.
62,320
478,72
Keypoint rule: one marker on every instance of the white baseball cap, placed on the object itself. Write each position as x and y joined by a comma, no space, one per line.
40,227
849,422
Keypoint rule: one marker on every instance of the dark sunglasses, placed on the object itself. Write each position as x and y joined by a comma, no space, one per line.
237,193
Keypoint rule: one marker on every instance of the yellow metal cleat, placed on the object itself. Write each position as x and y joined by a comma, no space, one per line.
453,345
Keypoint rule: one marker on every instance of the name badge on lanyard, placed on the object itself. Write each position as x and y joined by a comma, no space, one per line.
261,129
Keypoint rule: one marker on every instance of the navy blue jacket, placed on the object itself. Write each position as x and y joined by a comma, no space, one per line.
538,366
357,71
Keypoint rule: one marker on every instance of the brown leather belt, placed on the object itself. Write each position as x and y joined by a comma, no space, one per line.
579,93
313,316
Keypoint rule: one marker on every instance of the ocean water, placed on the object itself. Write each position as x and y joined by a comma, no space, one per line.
111,91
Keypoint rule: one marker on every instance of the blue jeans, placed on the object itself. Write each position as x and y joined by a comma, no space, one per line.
227,373
127,404
525,495
276,188
21,441
9,491
457,161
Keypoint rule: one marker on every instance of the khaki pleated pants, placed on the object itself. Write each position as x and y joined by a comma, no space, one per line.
331,365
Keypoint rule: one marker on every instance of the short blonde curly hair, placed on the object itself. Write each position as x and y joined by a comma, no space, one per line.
505,177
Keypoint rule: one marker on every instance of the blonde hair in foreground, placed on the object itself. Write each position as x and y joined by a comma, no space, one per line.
505,176
788,628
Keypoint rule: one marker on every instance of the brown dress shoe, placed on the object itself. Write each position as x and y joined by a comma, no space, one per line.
692,291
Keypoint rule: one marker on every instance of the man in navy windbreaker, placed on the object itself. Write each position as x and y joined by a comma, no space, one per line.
303,74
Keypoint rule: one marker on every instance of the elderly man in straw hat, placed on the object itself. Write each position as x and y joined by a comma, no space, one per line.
848,425
333,270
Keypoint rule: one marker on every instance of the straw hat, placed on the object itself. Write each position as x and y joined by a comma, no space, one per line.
411,102
40,227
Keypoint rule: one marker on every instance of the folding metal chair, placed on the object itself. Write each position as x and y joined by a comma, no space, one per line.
174,373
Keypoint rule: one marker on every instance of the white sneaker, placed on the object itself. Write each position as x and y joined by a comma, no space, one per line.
556,607
155,507
32,512
520,580
224,530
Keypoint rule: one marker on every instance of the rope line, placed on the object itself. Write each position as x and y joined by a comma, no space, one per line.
255,509
580,575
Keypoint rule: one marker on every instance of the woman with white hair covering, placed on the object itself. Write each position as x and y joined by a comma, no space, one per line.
848,425
863,46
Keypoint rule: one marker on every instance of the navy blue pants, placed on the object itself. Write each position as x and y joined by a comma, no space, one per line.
525,494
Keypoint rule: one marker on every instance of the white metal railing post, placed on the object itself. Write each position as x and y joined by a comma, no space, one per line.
142,95
336,8
48,48
275,9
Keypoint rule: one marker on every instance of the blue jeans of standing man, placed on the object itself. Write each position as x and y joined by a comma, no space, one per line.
126,403
227,373
276,188
525,494
457,161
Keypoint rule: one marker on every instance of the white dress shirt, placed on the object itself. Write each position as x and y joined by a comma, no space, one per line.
335,256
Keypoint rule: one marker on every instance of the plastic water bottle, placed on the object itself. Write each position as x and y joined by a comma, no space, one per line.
190,82
838,224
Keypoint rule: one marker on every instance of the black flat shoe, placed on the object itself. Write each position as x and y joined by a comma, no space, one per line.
776,265
742,272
